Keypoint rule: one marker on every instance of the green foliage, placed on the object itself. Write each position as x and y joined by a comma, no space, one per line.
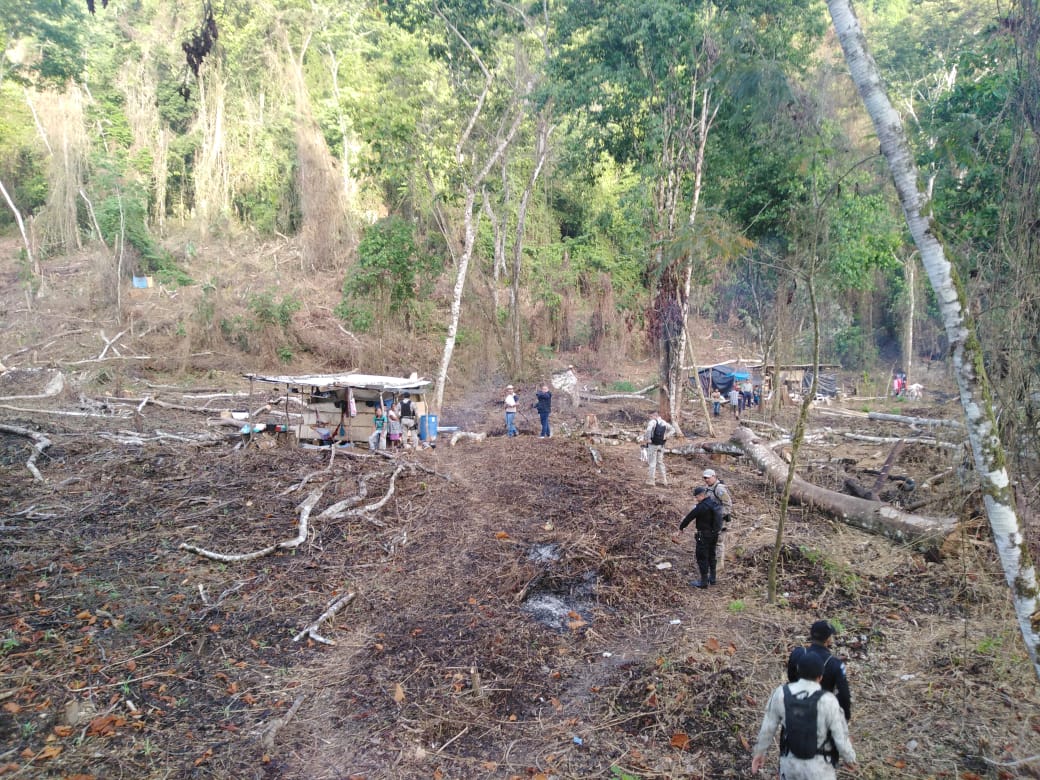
268,311
122,218
357,317
44,41
391,267
22,166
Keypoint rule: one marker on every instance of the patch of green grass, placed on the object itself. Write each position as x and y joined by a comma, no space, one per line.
737,605
989,645
620,774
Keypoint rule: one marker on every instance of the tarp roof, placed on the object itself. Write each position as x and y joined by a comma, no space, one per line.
336,381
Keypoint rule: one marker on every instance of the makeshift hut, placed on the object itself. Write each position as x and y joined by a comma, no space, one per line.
338,408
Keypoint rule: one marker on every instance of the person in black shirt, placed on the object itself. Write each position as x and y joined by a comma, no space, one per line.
707,517
544,407
821,636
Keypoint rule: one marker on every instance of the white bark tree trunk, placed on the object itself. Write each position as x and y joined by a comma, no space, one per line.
976,394
471,216
908,329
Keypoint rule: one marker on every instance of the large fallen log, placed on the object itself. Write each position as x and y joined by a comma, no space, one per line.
871,516
927,422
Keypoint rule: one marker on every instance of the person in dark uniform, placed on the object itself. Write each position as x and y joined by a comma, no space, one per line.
821,637
707,518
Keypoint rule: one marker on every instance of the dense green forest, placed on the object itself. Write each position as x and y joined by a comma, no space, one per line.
584,174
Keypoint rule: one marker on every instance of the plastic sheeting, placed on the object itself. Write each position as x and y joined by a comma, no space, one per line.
828,384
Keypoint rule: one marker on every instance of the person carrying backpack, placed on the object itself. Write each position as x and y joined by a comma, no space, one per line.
723,495
813,734
657,432
821,636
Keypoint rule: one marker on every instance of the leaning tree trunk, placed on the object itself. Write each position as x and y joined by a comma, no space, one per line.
975,391
874,517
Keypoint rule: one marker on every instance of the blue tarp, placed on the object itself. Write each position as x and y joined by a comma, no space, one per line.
721,377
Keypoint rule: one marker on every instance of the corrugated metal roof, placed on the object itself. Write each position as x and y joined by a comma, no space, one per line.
334,381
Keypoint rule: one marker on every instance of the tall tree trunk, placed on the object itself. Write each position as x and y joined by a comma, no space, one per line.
973,383
541,154
910,268
675,378
797,438
471,217
470,238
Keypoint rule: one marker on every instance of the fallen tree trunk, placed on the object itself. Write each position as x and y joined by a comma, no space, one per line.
871,516
927,422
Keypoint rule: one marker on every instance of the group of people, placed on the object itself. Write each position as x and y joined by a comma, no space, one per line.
742,395
542,405
812,711
395,424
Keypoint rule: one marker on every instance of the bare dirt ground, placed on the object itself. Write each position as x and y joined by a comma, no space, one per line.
512,614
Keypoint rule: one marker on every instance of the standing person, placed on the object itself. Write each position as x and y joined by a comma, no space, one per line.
725,498
821,637
409,422
544,407
734,401
747,389
511,402
716,402
707,518
814,733
377,439
394,427
657,432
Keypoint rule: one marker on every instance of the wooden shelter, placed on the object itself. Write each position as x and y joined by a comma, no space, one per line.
338,408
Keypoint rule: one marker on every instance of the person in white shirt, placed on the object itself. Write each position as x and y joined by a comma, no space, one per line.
511,402
832,732
657,431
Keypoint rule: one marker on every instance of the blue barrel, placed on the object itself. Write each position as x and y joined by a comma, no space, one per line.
428,427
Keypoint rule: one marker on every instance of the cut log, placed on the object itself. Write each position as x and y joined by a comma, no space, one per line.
925,421
871,516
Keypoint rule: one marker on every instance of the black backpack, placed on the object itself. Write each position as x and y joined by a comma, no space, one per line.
657,437
798,736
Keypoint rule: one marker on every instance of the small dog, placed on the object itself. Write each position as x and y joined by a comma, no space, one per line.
915,391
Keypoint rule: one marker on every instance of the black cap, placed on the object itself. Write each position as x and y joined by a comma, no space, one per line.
810,667
822,630
700,490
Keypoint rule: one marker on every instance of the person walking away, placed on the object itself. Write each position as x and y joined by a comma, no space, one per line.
835,679
725,498
657,432
511,402
544,407
707,518
409,422
377,439
813,732
716,402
